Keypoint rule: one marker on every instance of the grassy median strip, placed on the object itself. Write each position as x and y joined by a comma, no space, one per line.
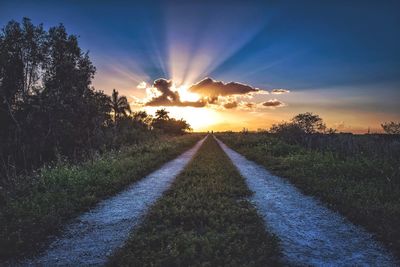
365,189
39,209
203,219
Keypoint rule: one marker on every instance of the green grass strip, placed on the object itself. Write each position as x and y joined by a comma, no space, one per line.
204,219
34,212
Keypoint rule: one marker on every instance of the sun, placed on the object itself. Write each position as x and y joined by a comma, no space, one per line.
200,119
186,95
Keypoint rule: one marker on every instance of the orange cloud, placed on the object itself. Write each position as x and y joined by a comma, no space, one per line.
167,97
230,105
273,103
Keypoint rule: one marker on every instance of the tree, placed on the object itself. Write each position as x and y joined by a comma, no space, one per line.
301,125
162,114
22,56
119,105
309,122
169,125
391,127
142,119
47,104
66,94
289,131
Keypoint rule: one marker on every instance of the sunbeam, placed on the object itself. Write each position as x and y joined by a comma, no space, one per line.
197,48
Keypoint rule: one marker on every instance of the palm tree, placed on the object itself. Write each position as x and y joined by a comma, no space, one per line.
162,114
119,105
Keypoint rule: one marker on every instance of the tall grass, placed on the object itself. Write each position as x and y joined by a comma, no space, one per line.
374,146
204,219
39,206
358,176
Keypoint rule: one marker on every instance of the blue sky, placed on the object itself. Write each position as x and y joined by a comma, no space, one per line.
336,57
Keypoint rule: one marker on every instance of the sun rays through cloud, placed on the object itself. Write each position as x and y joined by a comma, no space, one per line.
244,44
194,43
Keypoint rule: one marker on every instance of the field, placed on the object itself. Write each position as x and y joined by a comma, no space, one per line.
207,215
359,176
39,206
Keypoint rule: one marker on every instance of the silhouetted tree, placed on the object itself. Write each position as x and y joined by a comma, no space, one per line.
162,114
23,50
301,127
163,122
309,122
391,127
119,105
142,119
289,131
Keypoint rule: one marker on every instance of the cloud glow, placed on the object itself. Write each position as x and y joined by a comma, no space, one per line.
207,93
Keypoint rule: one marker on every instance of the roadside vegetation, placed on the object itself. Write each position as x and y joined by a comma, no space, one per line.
357,175
204,219
39,206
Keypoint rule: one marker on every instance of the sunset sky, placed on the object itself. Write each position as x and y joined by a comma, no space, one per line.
225,65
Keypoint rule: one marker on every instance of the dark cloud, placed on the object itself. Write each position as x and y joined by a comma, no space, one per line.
273,103
211,92
249,104
169,97
280,91
230,105
211,89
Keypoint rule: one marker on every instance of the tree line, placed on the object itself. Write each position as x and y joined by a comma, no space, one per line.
310,131
310,123
49,108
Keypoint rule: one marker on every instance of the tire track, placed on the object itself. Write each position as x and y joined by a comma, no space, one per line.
94,235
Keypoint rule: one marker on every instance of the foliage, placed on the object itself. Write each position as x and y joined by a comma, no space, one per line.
47,106
301,125
204,219
356,175
391,127
38,207
119,105
164,123
288,131
309,122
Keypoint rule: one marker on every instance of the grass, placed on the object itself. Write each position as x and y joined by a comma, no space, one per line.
40,205
204,219
364,188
